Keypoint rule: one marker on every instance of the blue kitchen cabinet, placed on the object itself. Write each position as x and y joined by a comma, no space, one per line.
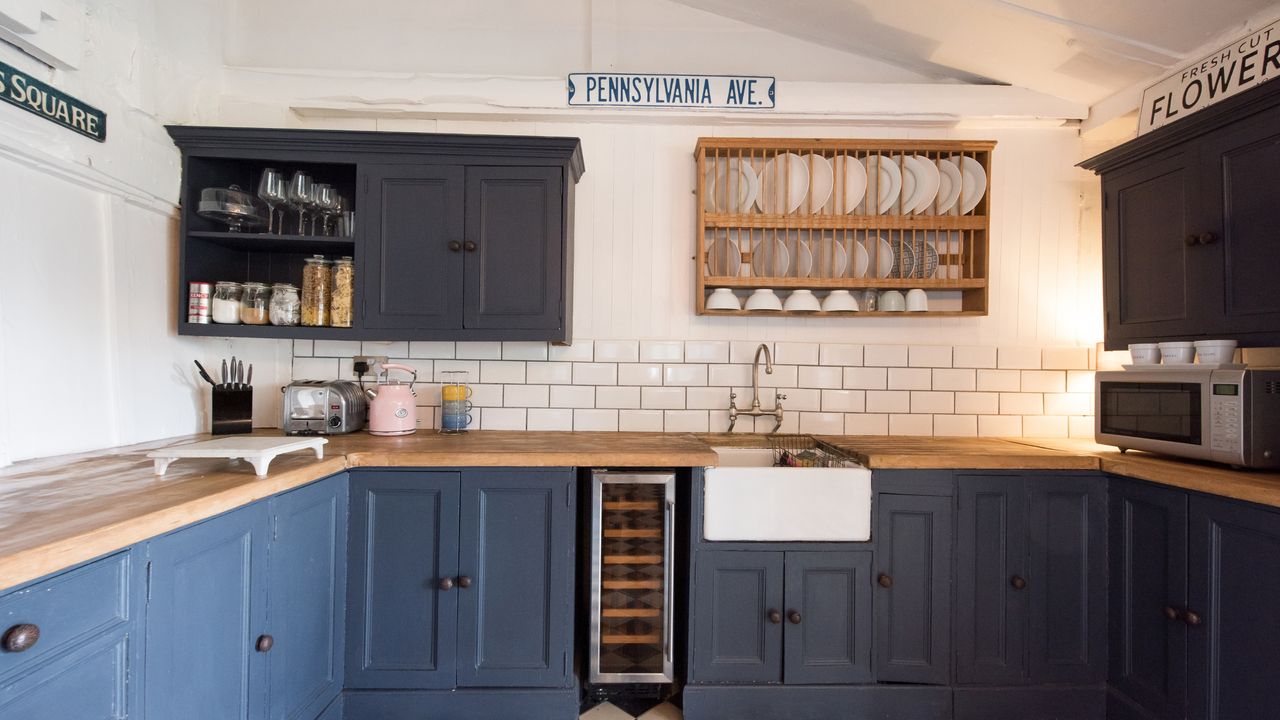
461,579
828,615
737,617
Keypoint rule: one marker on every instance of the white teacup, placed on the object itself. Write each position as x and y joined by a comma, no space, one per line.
892,301
917,300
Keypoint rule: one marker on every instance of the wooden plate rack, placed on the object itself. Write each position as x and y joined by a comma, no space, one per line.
766,247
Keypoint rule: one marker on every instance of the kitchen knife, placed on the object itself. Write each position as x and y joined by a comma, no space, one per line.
249,379
204,374
224,371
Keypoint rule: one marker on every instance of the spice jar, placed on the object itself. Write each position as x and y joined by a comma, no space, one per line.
226,303
253,303
315,292
344,272
286,305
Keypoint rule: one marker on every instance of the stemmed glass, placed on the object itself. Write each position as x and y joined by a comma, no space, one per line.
326,200
271,191
313,205
300,189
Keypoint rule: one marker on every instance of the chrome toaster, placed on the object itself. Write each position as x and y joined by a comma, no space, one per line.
323,407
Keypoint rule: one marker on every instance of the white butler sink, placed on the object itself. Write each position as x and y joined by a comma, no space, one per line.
747,499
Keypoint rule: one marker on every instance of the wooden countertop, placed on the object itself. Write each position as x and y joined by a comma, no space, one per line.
59,512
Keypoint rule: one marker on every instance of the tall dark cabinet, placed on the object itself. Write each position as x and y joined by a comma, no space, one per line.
458,237
1189,217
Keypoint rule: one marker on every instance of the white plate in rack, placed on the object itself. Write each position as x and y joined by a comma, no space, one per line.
975,182
950,183
854,186
784,182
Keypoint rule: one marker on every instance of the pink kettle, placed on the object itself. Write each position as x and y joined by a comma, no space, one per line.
392,410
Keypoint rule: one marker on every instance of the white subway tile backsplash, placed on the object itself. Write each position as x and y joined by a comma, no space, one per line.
1080,427
580,351
955,379
1021,404
890,401
1018,358
999,380
840,355
783,376
471,367
720,423
791,353
847,401
1045,381
337,348
502,371
595,374
550,419
999,426
524,351
617,351
728,375
1044,426
483,395
662,398
304,348
503,419
549,373
1068,403
1065,358
313,368
707,398
978,403
745,351
973,356
659,351
857,378
812,376
533,396
639,374
609,396
866,424
601,420
686,421
822,423
684,375
884,356
389,348
640,420
706,351
910,424
478,351
573,396
910,378
807,399
929,356
431,350
955,425
933,402
1080,381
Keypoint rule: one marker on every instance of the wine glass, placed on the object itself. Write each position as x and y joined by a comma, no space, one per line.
271,191
313,204
326,198
300,188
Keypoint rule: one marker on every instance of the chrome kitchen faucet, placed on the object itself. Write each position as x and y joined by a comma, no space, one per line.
755,410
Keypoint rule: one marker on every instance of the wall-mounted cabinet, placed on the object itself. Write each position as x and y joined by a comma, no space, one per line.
820,216
455,237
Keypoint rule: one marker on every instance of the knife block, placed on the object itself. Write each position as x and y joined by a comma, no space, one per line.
232,411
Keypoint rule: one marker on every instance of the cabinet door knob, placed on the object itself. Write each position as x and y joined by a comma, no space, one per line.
20,638
469,246
455,246
1191,617
464,582
265,643
446,584
794,617
1207,238
1017,582
775,617
885,581
1171,613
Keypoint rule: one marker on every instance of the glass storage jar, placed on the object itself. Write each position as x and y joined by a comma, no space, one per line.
315,291
253,303
226,303
344,273
286,305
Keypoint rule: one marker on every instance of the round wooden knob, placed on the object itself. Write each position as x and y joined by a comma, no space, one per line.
1191,617
265,643
20,638
469,246
464,582
455,246
775,617
1017,583
446,584
794,617
1170,612
885,581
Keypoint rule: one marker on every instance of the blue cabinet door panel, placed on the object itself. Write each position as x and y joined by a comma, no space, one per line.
307,598
515,618
991,550
206,611
401,630
734,639
830,592
88,683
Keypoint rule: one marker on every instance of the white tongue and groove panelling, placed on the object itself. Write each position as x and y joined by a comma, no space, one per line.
684,385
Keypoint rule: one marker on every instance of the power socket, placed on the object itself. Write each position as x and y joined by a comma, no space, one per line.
367,364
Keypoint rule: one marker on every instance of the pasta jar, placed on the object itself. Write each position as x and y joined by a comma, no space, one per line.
344,272
253,303
286,305
315,292
226,303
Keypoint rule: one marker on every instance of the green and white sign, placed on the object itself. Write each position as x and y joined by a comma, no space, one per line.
28,93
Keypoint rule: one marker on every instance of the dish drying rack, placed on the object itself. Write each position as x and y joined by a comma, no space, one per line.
804,451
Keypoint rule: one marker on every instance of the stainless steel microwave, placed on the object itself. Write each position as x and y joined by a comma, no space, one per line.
1224,415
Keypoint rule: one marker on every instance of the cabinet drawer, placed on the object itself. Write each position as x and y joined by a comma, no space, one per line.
68,609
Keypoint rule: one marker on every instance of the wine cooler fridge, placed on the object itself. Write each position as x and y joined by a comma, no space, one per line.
632,548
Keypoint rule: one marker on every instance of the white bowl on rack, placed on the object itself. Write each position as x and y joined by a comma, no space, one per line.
839,301
764,300
723,299
1215,352
802,301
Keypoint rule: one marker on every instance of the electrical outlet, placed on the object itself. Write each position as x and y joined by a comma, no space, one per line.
367,364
